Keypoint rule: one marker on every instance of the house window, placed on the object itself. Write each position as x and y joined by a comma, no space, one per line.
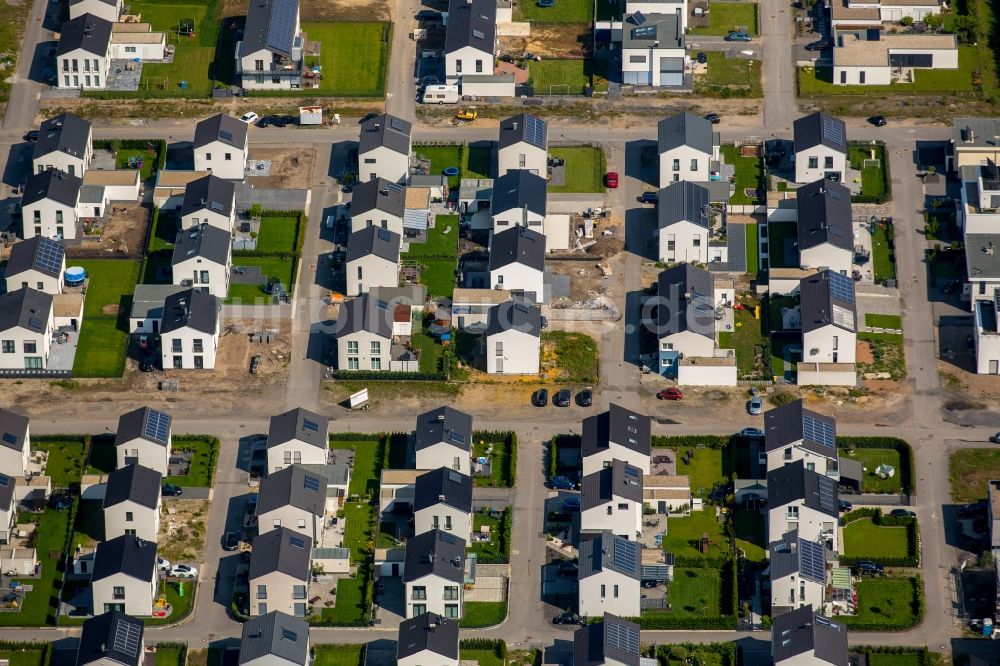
793,513
696,242
32,362
38,213
65,66
603,592
262,591
616,592
297,457
637,59
861,76
203,277
694,165
298,592
609,509
352,363
418,593
208,156
30,347
360,273
982,288
677,165
843,76
376,363
499,349
176,345
836,342
788,453
199,362
500,277
97,82
447,522
198,348
352,346
451,593
813,162
458,66
288,457
38,285
828,162
118,593
129,49
302,523
178,362
622,506
376,347
277,523
258,65
262,609
521,160
128,516
369,160
479,67
451,611
59,217
456,463
8,346
435,523
419,609
228,157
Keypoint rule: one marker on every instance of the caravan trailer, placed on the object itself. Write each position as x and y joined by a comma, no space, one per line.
441,94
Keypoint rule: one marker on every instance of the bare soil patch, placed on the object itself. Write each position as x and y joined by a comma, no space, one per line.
182,530
291,168
550,41
122,234
864,353
345,10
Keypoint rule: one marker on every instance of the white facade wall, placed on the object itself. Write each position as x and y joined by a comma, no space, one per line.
138,595
893,12
873,75
642,66
42,218
595,604
518,277
71,164
383,163
279,594
827,256
146,453
221,160
298,520
817,374
712,374
807,658
31,349
811,524
211,218
684,242
366,357
14,463
82,70
99,8
445,455
435,589
7,520
144,523
370,271
598,461
620,516
201,273
294,452
517,354
829,344
684,163
503,86
793,453
795,592
377,218
426,658
688,343
523,155
516,216
183,339
466,60
36,280
134,49
440,516
816,162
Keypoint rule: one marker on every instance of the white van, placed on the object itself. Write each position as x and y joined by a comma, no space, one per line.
441,94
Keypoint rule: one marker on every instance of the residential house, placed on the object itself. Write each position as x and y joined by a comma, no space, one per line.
270,55
685,315
189,330
443,438
685,223
517,262
82,56
617,434
802,500
144,437
296,437
470,308
378,203
828,316
372,260
26,325
519,199
384,149
825,227
50,204
793,433
654,52
611,642
873,13
688,147
523,145
470,39
221,146
279,572
609,576
131,41
513,339
125,578
434,574
38,262
667,493
888,58
611,500
798,573
364,335
132,503
295,498
203,259
820,148
109,10
973,142
111,639
147,307
442,500
15,443
427,640
275,639
209,200
8,507
801,637
65,142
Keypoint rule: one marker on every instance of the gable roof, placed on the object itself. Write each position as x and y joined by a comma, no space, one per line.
683,201
435,552
519,188
282,550
133,483
220,127
25,308
800,631
52,184
444,424
428,631
827,298
525,127
514,315
13,430
793,482
88,32
619,479
209,193
191,308
270,25
204,241
300,424
378,194
127,555
275,634
373,240
443,486
66,133
820,129
107,2
622,426
385,131
38,253
145,423
824,215
794,424
685,301
7,484
365,313
471,23
607,551
612,638
115,636
292,486
519,244
685,129
793,555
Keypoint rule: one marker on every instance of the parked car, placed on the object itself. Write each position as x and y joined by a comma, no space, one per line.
738,37
568,617
845,506
571,504
995,438
672,393
172,490
255,362
540,398
752,433
32,135
819,45
868,568
60,502
567,568
183,571
230,541
649,197
902,513
428,15
702,58
878,121
562,398
713,118
249,117
162,564
611,179
585,398
755,405
562,483
147,363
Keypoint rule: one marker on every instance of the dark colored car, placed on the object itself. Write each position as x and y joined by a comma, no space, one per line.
255,362
561,483
267,121
585,398
902,513
428,15
562,398
995,438
569,617
147,363
31,136
672,393
540,398
869,568
568,569
230,542
649,197
878,121
752,433
845,506
713,118
60,502
701,58
172,490
818,45
738,37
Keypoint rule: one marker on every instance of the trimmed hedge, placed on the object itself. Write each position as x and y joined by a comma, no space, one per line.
912,558
682,651
907,471
495,645
677,441
376,376
922,654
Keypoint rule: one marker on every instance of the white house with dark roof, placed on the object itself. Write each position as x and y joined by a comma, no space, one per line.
800,637
109,10
825,228
434,574
378,203
125,578
793,433
8,506
828,316
470,39
890,57
221,146
189,330
517,262
364,334
82,55
15,443
37,262
799,499
610,573
50,205
297,437
442,500
443,438
820,148
653,50
616,434
513,339
523,144
270,55
275,639
688,149
384,149
798,573
203,259
132,503
111,639
685,315
427,640
873,13
611,500
372,260
65,142
519,199
292,497
144,437
280,572
211,201
26,325
611,642
684,221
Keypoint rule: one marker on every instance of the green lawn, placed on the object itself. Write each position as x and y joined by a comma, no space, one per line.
777,234
724,17
438,275
104,332
442,240
705,469
180,602
746,335
871,459
888,352
193,56
481,657
442,157
367,465
202,472
889,602
738,75
478,162
477,614
489,549
65,463
908,659
278,234
439,255
148,161
363,45
358,531
750,534
501,470
38,608
585,168
350,608
24,657
575,356
819,81
695,592
684,534
430,349
270,267
883,259
753,250
339,655
168,656
970,470
88,529
884,321
748,175
564,11
564,76
866,540
873,177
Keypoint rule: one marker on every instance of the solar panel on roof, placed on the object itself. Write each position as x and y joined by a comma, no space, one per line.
4,481
478,34
49,255
126,640
448,538
9,438
812,561
297,542
34,322
841,287
311,483
820,432
827,493
281,29
157,425
289,635
624,555
833,130
311,426
457,437
383,234
454,476
638,18
826,622
216,206
396,124
646,32
534,130
622,637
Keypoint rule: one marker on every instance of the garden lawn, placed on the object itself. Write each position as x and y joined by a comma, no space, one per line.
168,656
442,157
695,592
908,659
358,531
430,349
563,11
501,474
193,56
889,602
585,167
564,76
750,535
884,321
748,175
339,655
864,539
684,534
37,609
24,657
970,470
477,614
180,603
489,548
270,267
349,608
575,356
883,261
438,275
706,469
148,161
277,235
481,657
201,473
753,250
777,234
89,528
737,74
354,57
872,458
367,465
724,17
65,463
103,339
872,177
439,245
744,338
478,162
819,81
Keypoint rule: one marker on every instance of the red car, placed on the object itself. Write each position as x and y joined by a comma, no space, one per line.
611,179
672,393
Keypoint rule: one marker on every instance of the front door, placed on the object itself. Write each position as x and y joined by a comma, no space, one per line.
500,365
993,367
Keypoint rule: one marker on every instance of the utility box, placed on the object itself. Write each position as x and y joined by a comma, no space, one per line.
310,115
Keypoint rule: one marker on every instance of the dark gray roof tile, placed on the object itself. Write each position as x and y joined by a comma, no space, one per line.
519,189
270,25
66,133
292,486
281,550
793,482
145,423
365,313
685,129
127,555
381,242
25,308
275,634
614,553
800,632
133,483
525,127
443,486
191,308
619,426
683,201
386,131
13,430
820,129
793,423
471,23
378,194
435,552
444,424
300,424
52,184
112,636
824,215
207,242
220,127
88,32
428,631
517,245
685,300
827,298
514,315
617,480
209,193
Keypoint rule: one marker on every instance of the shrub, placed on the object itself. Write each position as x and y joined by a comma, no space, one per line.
375,376
675,442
